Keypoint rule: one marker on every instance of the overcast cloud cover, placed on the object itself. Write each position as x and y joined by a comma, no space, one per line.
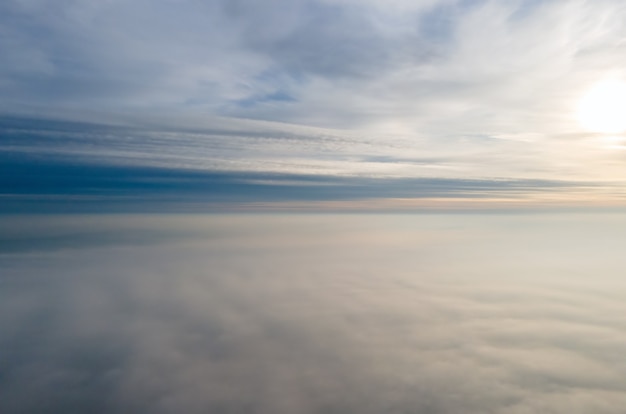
466,89
313,314
268,113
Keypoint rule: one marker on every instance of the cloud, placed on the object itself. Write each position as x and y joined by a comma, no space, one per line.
491,66
45,183
82,166
319,313
483,90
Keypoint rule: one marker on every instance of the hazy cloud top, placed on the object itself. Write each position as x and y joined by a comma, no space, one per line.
364,314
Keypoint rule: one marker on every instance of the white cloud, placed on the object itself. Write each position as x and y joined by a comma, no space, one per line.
311,313
462,81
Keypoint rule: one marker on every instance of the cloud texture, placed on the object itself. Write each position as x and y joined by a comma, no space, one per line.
490,65
444,89
269,314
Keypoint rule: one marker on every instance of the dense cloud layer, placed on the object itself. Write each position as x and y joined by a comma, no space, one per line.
365,314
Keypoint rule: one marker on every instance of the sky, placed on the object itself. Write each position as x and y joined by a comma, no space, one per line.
502,121
308,104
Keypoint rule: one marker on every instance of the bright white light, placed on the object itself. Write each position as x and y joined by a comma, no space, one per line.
603,108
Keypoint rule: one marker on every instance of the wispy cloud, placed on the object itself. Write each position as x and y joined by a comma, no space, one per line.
480,89
82,166
488,64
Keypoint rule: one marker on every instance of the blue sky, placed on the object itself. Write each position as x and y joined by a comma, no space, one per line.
413,103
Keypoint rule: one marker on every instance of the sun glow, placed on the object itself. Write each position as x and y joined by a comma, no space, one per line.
603,108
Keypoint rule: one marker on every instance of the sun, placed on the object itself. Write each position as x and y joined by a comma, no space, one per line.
603,108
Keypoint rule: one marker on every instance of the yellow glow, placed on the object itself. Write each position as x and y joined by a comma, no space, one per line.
603,108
